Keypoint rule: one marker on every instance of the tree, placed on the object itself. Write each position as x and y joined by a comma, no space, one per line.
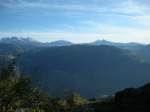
74,100
7,81
18,92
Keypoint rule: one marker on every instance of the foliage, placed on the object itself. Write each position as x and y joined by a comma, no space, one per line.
18,92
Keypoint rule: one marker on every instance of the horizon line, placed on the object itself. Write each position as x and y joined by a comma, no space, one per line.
33,39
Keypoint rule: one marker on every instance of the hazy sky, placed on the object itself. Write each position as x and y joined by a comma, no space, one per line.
76,20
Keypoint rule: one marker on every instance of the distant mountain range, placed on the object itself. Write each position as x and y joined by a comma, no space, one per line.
29,41
117,44
93,69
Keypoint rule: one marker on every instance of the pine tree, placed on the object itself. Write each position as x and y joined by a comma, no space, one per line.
18,92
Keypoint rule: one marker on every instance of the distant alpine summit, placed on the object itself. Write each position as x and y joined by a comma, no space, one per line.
59,43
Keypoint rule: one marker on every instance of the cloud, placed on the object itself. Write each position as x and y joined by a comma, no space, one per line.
80,20
112,33
94,6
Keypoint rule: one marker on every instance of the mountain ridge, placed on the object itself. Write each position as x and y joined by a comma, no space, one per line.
99,69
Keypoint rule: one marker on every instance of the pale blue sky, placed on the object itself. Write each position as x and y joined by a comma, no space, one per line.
76,20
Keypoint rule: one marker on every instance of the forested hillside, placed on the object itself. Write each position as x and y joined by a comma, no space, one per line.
90,70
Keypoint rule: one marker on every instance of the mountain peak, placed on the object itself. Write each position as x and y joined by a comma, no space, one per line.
60,43
20,41
101,42
15,39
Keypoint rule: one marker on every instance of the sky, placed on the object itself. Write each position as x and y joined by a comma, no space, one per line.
76,20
